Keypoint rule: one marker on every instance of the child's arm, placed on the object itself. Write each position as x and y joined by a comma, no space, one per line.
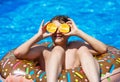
25,48
96,44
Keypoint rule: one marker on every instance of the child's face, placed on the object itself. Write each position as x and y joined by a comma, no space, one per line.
58,37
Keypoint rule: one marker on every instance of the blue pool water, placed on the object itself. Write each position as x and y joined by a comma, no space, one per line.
20,19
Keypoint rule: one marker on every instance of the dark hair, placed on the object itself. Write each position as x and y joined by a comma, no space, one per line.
60,18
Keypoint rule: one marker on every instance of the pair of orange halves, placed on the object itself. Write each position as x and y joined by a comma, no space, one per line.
64,28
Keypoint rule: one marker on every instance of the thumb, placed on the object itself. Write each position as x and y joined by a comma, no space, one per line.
49,34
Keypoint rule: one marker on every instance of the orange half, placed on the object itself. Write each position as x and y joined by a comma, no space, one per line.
64,28
51,27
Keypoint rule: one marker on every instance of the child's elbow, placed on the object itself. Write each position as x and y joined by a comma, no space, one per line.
103,50
17,54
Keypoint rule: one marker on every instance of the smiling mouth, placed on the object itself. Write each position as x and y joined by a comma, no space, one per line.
58,36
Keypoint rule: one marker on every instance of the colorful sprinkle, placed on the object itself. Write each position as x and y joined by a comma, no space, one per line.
101,60
15,65
6,69
73,70
108,61
102,75
11,65
24,65
113,56
5,74
112,68
74,75
105,58
45,77
79,75
109,80
101,64
64,76
68,77
107,67
76,80
27,70
8,62
32,72
118,61
31,67
42,74
29,64
39,72
86,80
19,72
108,57
37,75
17,60
40,79
29,76
5,63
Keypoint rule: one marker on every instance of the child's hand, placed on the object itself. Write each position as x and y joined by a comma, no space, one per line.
42,30
73,28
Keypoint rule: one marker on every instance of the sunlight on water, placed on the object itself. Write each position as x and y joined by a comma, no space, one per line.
20,19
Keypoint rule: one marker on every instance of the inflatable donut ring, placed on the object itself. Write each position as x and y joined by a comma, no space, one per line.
11,65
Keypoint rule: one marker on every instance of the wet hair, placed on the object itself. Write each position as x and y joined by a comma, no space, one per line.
60,18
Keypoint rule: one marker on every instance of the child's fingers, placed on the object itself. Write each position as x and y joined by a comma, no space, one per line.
69,22
45,25
41,25
70,19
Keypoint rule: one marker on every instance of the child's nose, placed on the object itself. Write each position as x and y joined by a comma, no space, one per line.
58,30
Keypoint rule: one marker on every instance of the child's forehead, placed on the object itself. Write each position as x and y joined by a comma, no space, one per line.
56,22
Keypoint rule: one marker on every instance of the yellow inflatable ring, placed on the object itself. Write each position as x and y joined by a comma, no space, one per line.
11,65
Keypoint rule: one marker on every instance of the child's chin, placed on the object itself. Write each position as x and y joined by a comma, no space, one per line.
58,41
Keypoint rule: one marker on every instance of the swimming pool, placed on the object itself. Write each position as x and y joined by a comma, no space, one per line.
20,19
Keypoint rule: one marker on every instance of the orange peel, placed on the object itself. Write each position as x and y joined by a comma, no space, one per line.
64,28
51,27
